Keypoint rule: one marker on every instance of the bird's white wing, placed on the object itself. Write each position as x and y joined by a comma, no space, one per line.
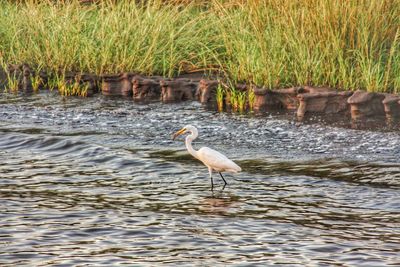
217,160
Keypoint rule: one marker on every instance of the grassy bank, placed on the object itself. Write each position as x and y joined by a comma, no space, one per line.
273,43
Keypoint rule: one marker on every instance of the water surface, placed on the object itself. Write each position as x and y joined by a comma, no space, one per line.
99,181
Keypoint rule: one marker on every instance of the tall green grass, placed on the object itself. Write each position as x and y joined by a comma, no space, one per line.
273,43
150,38
220,96
339,43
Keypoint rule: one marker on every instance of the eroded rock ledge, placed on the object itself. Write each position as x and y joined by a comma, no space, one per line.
303,100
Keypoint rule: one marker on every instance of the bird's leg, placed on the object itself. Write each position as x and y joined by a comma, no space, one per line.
212,182
223,188
223,179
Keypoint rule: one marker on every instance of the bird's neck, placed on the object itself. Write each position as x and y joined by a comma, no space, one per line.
189,147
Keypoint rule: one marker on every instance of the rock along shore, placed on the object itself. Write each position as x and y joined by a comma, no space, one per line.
303,100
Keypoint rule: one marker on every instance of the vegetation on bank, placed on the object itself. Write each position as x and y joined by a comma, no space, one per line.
272,43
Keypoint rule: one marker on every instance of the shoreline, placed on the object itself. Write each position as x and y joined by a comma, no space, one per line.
212,92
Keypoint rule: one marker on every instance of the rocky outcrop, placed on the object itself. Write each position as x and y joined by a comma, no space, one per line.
314,89
287,97
365,104
206,91
266,100
391,104
26,84
3,78
117,85
146,89
239,97
323,101
177,90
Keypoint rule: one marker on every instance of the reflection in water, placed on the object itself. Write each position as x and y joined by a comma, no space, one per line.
219,203
106,189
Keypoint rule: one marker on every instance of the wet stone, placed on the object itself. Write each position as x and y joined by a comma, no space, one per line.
26,84
287,97
391,105
365,104
177,90
328,102
3,78
145,89
266,100
117,85
314,89
206,91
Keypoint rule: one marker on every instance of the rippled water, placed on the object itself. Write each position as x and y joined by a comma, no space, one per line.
100,182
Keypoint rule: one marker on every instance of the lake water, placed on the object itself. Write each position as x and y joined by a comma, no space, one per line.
99,181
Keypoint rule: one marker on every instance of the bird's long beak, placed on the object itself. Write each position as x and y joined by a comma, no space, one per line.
178,133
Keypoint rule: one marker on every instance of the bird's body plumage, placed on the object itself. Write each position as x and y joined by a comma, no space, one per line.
213,159
217,161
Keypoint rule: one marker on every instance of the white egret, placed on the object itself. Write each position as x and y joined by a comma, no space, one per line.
213,159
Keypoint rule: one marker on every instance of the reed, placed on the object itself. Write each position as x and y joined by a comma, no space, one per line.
233,98
241,101
220,96
72,89
61,85
36,81
251,98
52,82
343,44
271,43
12,83
150,38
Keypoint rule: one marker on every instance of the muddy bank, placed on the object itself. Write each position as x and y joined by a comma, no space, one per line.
358,106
